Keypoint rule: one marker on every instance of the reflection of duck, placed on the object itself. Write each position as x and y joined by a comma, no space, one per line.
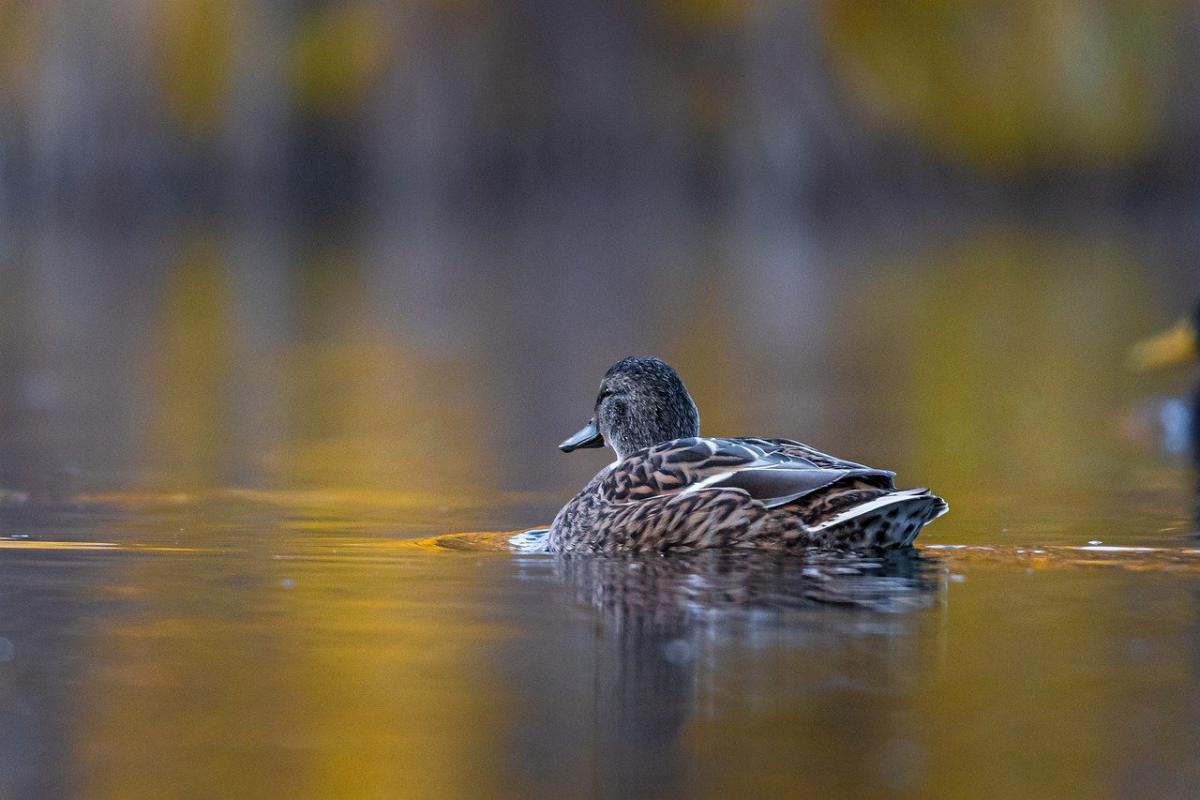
670,630
666,593
1179,344
672,490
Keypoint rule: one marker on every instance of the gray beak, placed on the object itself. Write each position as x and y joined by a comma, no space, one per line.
588,436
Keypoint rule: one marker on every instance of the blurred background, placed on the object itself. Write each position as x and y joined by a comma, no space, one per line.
393,246
285,284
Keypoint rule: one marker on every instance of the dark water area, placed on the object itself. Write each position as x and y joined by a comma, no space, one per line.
242,473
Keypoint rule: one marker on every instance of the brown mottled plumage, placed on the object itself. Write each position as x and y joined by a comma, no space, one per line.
671,490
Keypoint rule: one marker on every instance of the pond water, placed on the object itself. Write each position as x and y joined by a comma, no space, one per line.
255,643
258,496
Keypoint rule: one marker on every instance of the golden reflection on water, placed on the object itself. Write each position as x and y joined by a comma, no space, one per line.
1020,385
251,588
335,685
194,365
261,655
342,405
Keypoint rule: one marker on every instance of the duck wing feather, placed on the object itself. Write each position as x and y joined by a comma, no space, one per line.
773,471
798,450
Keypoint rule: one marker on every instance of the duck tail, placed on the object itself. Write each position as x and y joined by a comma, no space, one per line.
890,520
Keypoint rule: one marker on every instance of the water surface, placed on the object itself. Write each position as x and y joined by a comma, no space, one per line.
288,644
257,485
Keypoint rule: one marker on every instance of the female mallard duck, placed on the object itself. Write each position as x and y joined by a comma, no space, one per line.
670,490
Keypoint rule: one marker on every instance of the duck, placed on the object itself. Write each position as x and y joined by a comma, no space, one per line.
672,490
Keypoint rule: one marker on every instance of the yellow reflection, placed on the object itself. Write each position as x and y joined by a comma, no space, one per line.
343,411
20,39
1014,86
706,13
263,668
195,48
1002,354
30,544
366,411
302,677
1175,346
189,429
339,49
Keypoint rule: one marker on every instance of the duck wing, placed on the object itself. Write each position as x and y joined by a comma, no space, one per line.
774,472
799,450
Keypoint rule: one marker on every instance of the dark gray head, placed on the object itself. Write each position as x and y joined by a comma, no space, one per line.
642,402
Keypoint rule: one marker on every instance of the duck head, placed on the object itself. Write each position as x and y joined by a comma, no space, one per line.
642,402
1177,344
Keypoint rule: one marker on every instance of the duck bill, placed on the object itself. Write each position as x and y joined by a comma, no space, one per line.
588,436
1174,346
